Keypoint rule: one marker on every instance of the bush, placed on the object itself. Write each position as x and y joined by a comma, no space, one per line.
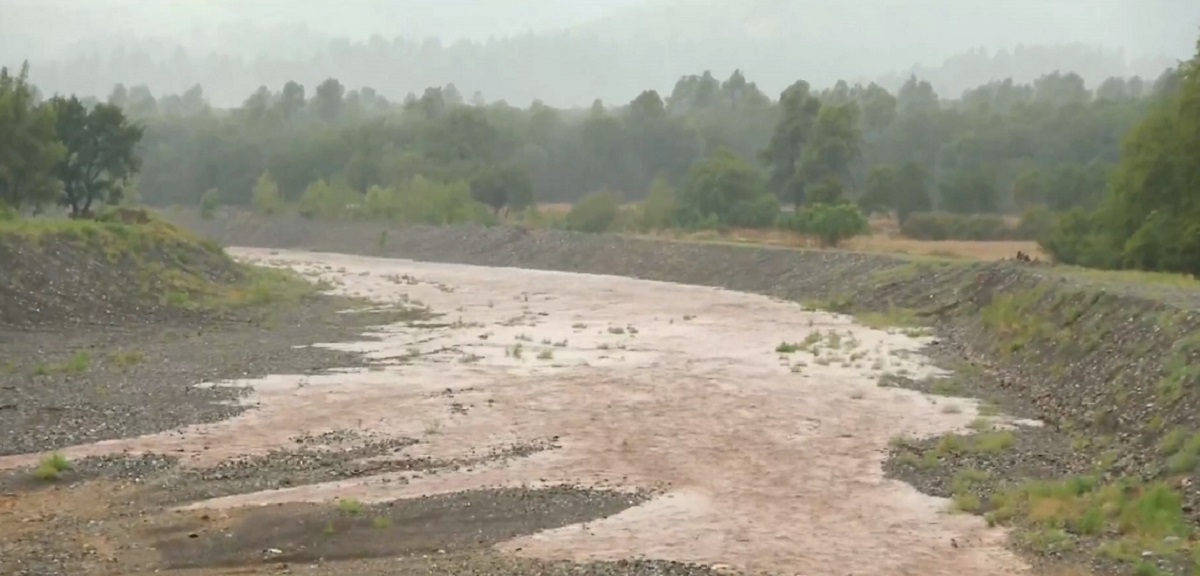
210,200
266,196
659,210
423,201
832,224
329,201
761,212
7,213
596,212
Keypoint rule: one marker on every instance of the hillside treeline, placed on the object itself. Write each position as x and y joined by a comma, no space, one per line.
711,153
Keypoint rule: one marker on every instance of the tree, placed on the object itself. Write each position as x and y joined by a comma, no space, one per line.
727,189
29,148
968,192
800,109
503,187
911,193
1151,217
100,153
266,197
833,224
834,146
658,211
880,187
595,213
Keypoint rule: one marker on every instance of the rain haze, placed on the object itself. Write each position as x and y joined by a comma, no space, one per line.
570,53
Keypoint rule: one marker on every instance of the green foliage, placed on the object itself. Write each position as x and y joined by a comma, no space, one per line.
597,212
210,200
100,145
1150,219
833,224
329,201
658,211
424,201
726,190
266,197
503,187
29,146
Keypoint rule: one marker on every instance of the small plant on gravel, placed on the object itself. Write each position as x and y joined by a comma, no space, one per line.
52,466
546,355
951,409
787,348
524,338
329,530
616,330
350,506
516,351
79,362
579,326
993,442
128,358
560,344
382,522
688,317
981,424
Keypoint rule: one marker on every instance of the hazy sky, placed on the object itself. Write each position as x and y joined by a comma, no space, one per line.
861,38
1142,26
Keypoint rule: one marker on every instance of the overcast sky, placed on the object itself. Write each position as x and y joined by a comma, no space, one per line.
861,38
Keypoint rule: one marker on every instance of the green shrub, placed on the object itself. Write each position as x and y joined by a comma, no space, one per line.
832,224
266,196
210,200
596,212
660,208
328,201
7,213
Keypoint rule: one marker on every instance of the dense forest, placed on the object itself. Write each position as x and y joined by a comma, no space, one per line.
1120,160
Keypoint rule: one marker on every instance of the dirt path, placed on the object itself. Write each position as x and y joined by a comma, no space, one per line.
767,460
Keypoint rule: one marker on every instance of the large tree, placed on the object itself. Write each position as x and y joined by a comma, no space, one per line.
786,148
29,148
100,153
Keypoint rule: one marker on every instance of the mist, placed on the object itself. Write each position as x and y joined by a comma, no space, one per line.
568,54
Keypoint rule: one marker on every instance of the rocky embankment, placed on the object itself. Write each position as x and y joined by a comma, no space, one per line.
1108,362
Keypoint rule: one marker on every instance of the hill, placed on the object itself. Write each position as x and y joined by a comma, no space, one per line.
125,267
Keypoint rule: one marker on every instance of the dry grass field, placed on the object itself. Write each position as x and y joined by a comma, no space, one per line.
885,238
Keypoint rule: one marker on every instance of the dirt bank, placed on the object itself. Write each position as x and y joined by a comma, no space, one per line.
1107,361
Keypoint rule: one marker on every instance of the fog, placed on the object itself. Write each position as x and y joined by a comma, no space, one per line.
569,53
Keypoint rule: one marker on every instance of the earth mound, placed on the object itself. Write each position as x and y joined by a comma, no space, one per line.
125,266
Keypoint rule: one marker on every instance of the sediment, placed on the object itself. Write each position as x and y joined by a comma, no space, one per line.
1106,362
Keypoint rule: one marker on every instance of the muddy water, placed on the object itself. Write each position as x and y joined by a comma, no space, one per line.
770,461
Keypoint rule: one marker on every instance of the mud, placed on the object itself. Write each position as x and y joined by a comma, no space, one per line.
759,424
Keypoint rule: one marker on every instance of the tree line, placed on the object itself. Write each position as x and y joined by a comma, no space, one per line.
712,153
